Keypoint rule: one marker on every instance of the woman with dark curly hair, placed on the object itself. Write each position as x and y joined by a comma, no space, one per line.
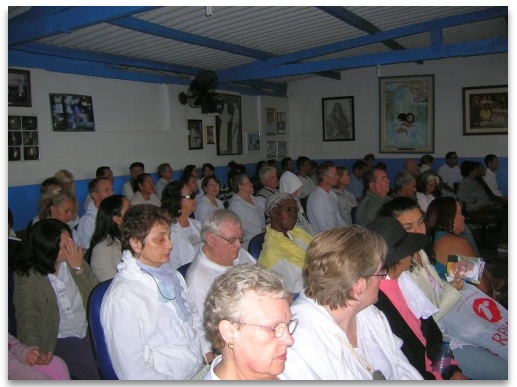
180,202
52,284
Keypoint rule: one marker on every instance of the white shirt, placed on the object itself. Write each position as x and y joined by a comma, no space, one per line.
323,211
307,186
449,176
87,225
139,199
202,273
212,376
252,219
424,200
127,190
491,180
159,186
146,339
319,350
204,207
185,243
72,316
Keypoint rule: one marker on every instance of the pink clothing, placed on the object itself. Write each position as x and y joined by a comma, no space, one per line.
19,370
391,288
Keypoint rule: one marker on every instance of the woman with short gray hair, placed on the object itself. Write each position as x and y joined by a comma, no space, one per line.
248,320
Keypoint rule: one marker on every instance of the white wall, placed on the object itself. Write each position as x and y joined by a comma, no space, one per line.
146,122
450,76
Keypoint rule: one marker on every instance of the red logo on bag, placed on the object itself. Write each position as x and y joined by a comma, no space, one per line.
487,309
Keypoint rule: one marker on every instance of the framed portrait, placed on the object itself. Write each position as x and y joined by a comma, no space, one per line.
253,141
195,134
280,122
338,119
71,113
485,110
229,126
269,120
282,149
406,114
19,88
271,149
22,139
210,134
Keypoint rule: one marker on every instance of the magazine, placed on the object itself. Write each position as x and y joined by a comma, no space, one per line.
470,268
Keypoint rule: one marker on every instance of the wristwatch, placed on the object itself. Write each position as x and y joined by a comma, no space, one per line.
77,268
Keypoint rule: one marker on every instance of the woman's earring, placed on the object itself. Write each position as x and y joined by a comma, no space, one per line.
231,345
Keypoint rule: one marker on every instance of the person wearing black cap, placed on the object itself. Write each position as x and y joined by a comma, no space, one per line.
408,310
135,169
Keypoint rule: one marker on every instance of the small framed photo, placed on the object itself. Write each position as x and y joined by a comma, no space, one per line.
282,149
19,88
210,134
338,119
253,141
271,149
485,110
269,119
195,137
280,122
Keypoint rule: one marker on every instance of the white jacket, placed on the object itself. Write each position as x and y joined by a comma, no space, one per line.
145,337
317,353
183,251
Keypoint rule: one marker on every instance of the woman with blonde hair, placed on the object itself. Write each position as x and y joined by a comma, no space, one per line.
342,335
61,205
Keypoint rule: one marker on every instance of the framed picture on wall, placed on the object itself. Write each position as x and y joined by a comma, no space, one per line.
271,149
195,136
338,119
282,149
253,141
269,119
229,126
71,113
19,88
280,122
485,110
407,114
210,134
22,140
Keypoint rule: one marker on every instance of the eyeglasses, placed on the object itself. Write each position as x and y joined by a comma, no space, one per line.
231,241
290,210
384,273
189,196
279,329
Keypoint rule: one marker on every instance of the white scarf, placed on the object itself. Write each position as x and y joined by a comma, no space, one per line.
415,298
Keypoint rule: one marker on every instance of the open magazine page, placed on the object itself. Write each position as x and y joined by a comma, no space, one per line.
470,268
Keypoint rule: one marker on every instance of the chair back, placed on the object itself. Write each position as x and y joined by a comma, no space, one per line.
183,269
100,349
255,245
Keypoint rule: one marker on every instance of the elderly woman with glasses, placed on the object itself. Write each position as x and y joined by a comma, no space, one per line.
342,335
179,199
285,244
248,320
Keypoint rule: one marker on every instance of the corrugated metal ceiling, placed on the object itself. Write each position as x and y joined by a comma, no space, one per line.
247,45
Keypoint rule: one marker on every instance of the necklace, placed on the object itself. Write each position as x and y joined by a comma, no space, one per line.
376,374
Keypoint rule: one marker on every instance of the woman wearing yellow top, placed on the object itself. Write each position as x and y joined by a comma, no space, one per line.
285,244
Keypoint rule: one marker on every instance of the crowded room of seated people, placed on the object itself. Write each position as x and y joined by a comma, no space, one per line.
67,249
264,250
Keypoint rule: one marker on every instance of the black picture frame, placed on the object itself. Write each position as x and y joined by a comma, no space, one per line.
71,113
485,110
195,136
19,88
281,123
338,125
229,126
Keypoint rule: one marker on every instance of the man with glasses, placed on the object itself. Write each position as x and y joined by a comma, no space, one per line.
322,205
222,238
